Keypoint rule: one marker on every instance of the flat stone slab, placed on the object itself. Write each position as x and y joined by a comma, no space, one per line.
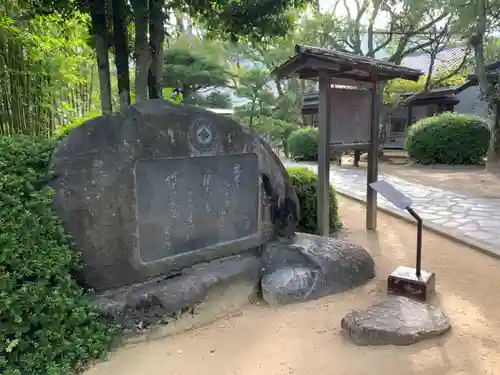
395,321
156,301
308,267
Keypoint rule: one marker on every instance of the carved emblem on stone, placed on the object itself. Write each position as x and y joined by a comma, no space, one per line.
202,134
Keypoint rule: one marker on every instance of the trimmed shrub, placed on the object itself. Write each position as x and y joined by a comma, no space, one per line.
305,183
448,138
303,145
47,325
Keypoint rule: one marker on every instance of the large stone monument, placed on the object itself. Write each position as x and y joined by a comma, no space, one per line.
172,205
159,187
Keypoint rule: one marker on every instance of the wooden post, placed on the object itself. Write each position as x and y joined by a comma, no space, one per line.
357,158
323,189
372,170
409,118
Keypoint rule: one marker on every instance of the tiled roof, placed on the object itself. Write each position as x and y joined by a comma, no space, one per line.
308,61
447,58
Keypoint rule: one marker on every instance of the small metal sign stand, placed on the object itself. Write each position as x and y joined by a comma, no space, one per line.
410,282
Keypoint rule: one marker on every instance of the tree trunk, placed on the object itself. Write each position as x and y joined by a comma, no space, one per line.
477,42
142,49
156,38
189,31
493,160
100,35
180,22
120,38
286,148
432,62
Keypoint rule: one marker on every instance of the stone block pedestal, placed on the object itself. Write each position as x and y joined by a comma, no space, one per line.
405,282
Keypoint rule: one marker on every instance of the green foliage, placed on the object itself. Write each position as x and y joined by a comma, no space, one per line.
47,325
217,100
280,132
398,86
281,99
254,85
305,183
191,71
303,144
250,20
172,96
492,49
288,105
448,139
323,29
47,72
64,130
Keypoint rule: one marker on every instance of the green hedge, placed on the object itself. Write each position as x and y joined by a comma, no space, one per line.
303,145
305,183
448,138
47,325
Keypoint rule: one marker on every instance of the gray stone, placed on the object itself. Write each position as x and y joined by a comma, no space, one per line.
440,221
484,235
430,217
308,267
489,223
458,209
122,216
145,304
395,321
480,212
469,226
441,212
289,284
451,224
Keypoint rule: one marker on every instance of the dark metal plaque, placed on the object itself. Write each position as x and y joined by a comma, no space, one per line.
189,204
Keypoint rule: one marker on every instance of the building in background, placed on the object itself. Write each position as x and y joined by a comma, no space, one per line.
465,98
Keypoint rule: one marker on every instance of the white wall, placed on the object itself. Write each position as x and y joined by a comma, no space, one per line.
471,103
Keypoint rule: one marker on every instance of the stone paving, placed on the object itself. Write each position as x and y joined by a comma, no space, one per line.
471,217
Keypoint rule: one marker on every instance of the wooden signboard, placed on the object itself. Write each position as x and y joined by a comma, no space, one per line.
350,119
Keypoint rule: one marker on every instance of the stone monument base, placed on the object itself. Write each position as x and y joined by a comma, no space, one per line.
395,321
302,268
405,282
192,297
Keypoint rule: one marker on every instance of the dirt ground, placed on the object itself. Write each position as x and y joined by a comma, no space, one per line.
468,180
305,339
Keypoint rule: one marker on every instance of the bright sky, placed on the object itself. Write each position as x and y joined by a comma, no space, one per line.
380,22
327,5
